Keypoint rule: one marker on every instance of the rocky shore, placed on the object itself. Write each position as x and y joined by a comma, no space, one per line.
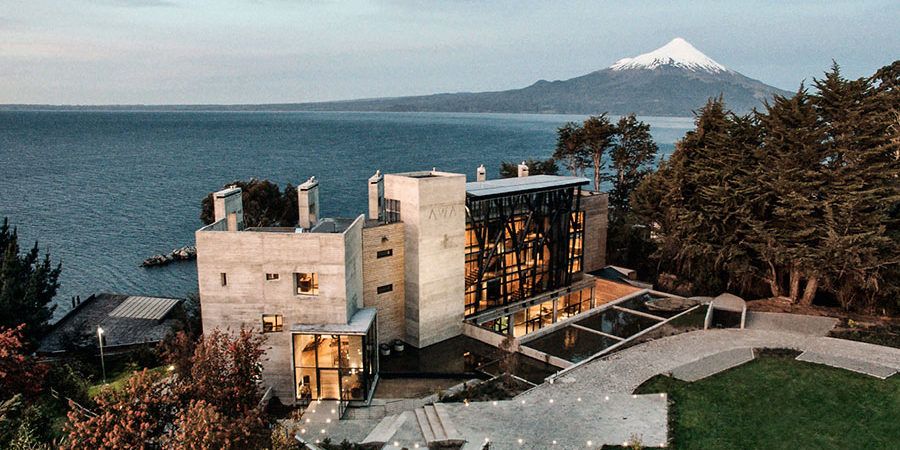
185,253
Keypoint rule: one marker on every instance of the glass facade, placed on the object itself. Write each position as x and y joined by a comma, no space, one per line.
520,246
335,367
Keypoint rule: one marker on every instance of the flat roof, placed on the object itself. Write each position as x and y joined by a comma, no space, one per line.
138,307
520,185
359,325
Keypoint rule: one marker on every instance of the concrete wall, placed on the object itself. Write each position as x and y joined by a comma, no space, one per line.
432,209
246,257
383,271
596,214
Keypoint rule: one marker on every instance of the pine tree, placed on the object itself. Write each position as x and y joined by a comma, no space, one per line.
789,237
861,192
27,285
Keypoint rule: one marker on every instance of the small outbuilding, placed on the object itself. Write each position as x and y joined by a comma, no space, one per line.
126,321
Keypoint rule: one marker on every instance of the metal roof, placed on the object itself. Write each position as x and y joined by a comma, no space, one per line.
520,185
359,324
153,308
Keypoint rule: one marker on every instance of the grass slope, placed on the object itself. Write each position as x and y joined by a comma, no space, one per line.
778,402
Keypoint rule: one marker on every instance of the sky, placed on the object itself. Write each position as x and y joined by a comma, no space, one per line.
285,51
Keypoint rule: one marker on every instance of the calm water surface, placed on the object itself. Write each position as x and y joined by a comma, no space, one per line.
102,191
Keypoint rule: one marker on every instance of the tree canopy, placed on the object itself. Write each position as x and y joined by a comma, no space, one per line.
802,198
265,204
28,284
535,167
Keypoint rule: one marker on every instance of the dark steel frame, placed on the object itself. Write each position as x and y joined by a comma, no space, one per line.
554,221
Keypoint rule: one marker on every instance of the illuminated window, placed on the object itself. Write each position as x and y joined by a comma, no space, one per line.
272,323
307,283
271,276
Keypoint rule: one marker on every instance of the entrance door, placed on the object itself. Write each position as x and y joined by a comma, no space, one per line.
329,384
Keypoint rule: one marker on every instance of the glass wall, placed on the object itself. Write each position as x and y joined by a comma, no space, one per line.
520,246
535,317
335,367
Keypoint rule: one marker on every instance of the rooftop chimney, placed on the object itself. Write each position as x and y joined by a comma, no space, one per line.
523,169
308,203
376,194
228,205
481,173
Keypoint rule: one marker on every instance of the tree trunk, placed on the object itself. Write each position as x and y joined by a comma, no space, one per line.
597,158
809,293
795,283
774,285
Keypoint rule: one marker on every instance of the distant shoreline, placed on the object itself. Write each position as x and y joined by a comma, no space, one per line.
261,109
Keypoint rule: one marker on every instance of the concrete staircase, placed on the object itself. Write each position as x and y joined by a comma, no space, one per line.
437,428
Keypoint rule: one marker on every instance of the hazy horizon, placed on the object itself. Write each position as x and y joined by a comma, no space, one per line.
189,52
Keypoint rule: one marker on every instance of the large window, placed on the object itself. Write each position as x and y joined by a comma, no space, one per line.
521,245
335,367
306,283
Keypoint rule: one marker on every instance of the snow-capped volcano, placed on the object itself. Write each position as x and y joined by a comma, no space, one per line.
673,80
678,52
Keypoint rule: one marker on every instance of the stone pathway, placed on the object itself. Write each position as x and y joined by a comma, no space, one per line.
852,364
711,365
813,325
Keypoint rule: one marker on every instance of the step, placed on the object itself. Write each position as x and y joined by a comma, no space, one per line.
437,429
384,431
713,364
855,365
422,419
451,433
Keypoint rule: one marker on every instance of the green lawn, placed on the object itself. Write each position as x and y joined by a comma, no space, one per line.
778,402
118,379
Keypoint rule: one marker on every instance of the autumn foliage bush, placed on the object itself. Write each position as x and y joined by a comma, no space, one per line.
211,400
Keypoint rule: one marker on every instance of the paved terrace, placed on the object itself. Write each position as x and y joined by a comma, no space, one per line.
593,401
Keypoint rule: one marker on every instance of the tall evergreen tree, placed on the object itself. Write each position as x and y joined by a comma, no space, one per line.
28,284
861,193
789,236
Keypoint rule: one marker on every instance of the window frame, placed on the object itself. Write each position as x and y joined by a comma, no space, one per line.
273,276
384,253
314,284
277,326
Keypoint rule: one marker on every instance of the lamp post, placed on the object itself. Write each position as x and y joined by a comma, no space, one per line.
102,362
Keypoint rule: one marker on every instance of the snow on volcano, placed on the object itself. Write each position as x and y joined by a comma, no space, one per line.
678,52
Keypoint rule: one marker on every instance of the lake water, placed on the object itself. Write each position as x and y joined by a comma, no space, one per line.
104,190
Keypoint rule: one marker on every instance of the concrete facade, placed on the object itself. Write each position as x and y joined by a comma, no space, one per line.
380,270
596,222
245,292
433,210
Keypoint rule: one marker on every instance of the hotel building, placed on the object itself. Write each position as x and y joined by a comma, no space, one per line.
434,257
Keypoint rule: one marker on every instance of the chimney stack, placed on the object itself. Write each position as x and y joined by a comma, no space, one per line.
376,194
481,173
523,169
308,203
228,205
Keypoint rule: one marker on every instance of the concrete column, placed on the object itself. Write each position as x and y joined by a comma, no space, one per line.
228,204
308,203
376,194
